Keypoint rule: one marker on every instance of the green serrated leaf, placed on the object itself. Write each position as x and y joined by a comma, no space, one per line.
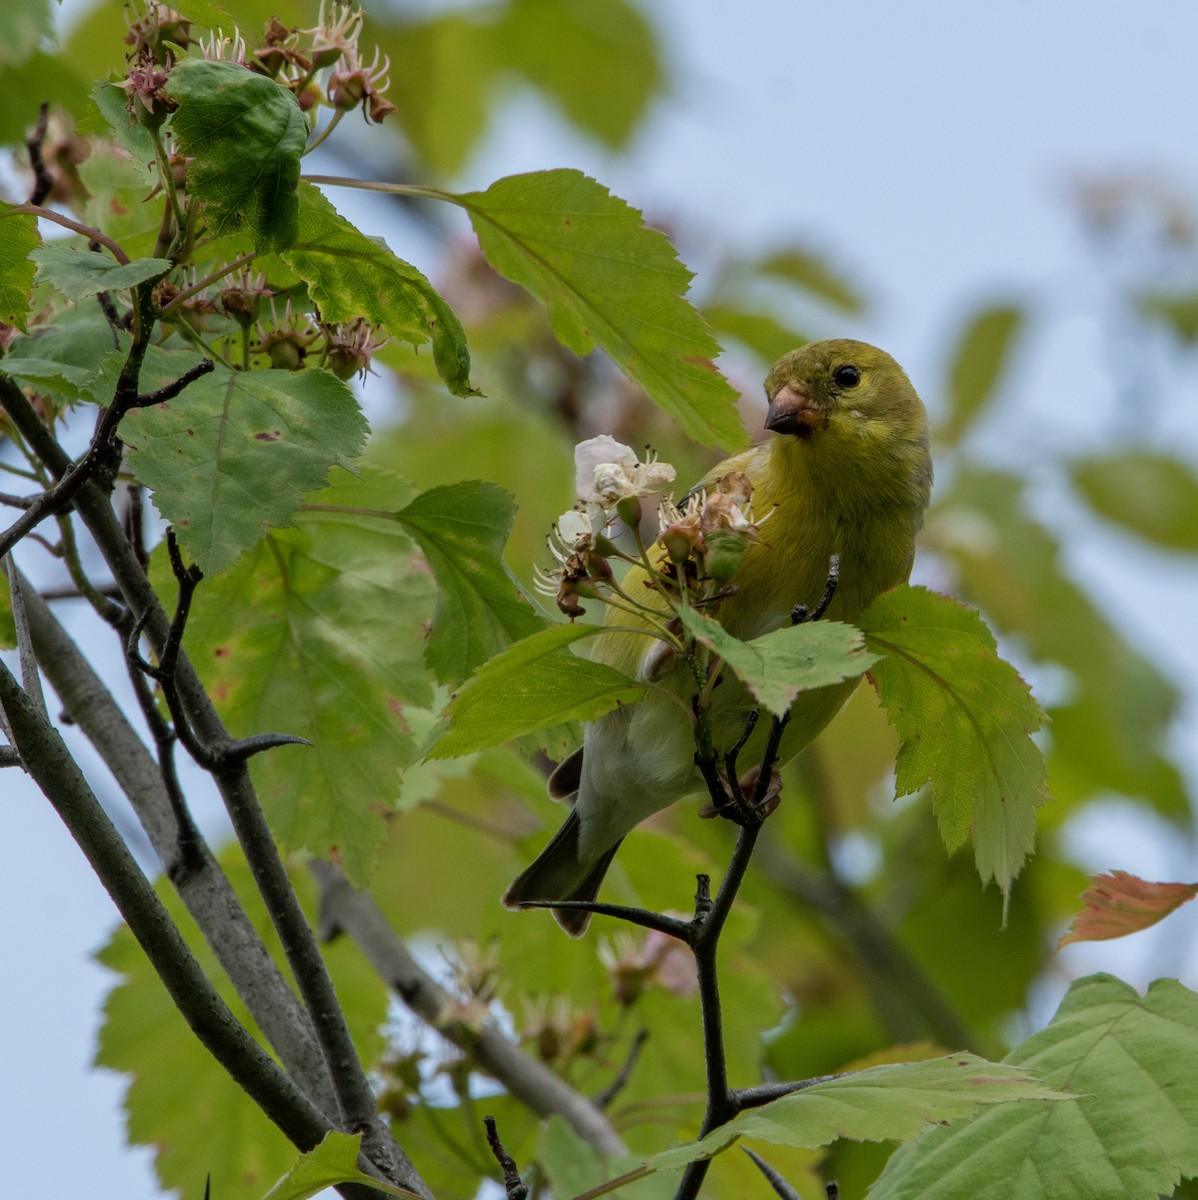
563,46
981,358
1130,1134
1109,732
245,135
1153,495
351,275
462,529
334,1161
230,457
317,632
608,281
876,1104
534,683
18,239
60,379
779,665
82,273
71,358
798,265
112,103
964,718
210,1127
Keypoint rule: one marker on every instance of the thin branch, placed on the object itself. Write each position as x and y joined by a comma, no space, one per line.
604,1098
355,913
201,885
56,218
270,876
172,389
43,181
781,1188
56,773
116,323
513,1185
765,1093
135,528
672,926
208,280
102,449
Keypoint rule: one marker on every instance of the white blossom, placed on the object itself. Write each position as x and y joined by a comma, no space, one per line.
607,471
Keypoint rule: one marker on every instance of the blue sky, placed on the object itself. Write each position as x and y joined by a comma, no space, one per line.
929,148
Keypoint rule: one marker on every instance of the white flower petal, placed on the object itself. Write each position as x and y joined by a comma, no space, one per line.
572,526
596,452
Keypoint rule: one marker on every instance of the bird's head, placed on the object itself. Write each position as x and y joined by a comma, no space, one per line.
846,388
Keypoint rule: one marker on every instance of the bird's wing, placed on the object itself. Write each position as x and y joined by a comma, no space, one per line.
566,776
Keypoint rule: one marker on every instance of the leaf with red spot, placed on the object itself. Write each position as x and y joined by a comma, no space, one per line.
1120,903
231,455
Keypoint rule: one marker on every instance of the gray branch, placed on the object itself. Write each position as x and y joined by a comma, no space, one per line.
203,887
49,762
356,914
356,1100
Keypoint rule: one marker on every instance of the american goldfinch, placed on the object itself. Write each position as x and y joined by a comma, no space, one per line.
845,471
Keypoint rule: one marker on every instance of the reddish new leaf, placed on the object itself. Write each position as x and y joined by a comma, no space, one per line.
1120,903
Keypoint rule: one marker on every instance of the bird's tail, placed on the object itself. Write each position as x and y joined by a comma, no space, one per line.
558,873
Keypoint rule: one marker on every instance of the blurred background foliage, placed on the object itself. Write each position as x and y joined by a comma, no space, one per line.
855,934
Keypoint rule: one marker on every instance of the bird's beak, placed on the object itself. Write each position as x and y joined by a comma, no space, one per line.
793,411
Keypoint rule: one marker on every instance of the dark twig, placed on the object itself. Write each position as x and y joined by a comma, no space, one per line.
780,1186
617,1085
746,733
799,614
765,1093
43,181
56,773
189,855
171,390
188,578
102,451
512,1183
135,528
635,916
73,593
116,323
205,893
303,955
702,932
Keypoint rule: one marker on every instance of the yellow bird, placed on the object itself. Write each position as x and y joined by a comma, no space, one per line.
846,471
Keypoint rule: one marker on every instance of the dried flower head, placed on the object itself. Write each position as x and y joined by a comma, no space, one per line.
348,348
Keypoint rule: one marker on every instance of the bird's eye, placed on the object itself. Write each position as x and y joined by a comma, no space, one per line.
847,376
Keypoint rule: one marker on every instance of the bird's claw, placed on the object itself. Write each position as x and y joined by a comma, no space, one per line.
741,805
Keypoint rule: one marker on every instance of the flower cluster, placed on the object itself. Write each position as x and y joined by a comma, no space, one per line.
699,542
321,65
